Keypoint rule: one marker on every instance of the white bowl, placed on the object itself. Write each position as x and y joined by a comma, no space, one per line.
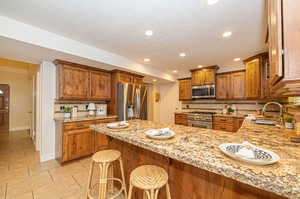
261,156
156,134
117,125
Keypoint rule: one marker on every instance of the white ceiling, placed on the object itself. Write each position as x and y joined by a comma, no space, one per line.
118,26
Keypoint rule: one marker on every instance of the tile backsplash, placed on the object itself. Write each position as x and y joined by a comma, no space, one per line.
82,107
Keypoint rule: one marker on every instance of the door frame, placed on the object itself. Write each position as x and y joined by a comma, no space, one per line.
8,90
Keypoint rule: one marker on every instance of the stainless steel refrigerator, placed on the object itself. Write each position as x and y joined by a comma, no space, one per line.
131,101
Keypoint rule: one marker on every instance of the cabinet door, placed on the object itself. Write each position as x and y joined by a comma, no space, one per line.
291,32
223,86
253,79
79,143
197,78
185,89
100,85
275,40
102,140
74,83
209,76
138,80
125,78
237,90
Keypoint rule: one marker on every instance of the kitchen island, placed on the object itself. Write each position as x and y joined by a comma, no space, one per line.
198,169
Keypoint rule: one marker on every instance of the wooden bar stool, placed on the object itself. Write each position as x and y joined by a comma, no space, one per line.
104,159
149,178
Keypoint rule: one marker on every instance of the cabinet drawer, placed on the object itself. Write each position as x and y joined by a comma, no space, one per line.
78,125
181,116
223,127
223,119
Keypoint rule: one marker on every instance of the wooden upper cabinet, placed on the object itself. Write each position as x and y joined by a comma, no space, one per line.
197,78
185,89
238,85
204,76
231,85
78,82
209,76
73,82
284,47
253,79
275,40
223,86
100,85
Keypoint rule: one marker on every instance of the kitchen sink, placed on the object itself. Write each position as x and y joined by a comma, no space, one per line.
266,122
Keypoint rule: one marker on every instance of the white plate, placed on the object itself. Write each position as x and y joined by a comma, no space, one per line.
262,156
155,134
117,125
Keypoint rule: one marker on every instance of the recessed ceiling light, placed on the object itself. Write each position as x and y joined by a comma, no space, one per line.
174,71
200,66
227,34
154,80
182,54
212,2
237,59
146,60
149,33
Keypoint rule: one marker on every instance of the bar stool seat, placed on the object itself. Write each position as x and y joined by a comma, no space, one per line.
106,156
104,160
149,178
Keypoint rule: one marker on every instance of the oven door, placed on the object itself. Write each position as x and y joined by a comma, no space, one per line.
200,124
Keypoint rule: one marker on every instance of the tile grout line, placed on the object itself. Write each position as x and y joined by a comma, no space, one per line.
76,181
50,176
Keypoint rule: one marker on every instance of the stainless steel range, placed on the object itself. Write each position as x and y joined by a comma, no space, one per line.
200,119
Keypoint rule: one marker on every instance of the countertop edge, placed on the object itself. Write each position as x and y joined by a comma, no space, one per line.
234,173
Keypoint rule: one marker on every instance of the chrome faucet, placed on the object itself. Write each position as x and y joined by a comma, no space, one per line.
281,110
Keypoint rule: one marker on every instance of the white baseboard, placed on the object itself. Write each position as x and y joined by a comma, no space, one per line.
20,128
46,157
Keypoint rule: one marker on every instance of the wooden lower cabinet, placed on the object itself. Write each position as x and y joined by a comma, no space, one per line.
76,139
78,143
226,123
186,181
181,119
101,140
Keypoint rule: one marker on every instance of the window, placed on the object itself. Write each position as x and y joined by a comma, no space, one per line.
1,92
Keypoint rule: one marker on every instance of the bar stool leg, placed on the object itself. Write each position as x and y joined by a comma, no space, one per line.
123,177
168,191
90,178
103,180
110,183
130,191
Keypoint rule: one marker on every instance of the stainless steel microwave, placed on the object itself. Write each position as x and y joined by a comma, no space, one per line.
203,92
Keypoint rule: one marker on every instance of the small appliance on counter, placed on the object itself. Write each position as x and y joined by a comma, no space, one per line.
101,110
91,108
74,111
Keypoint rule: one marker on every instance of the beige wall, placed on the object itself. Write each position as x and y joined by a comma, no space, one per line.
18,75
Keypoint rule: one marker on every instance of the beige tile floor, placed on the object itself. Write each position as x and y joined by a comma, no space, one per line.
22,176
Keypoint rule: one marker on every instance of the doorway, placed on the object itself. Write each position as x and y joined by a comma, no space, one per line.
4,108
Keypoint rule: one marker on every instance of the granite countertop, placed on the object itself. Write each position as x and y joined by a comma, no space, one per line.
85,118
219,114
199,147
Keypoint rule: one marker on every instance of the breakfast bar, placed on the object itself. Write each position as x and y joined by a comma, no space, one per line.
198,169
